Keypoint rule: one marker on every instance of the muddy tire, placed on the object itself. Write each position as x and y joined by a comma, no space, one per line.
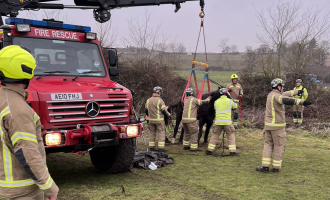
114,159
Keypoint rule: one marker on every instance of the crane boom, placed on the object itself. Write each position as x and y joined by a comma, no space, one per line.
101,8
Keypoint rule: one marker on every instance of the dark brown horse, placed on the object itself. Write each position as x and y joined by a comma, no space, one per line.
206,116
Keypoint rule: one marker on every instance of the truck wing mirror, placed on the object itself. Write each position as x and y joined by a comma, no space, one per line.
113,58
113,71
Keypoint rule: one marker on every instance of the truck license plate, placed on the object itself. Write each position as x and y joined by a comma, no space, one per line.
66,96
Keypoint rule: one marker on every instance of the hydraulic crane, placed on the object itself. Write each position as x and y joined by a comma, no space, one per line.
101,8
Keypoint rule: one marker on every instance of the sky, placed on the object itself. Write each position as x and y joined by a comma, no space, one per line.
232,19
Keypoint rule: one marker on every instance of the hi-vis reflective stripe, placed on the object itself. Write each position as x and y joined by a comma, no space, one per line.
161,144
297,101
158,117
163,106
186,143
280,100
232,147
13,184
36,118
23,136
4,112
193,146
211,146
223,120
292,92
6,155
152,144
191,100
147,105
275,125
199,102
189,119
47,185
277,163
266,161
273,109
222,111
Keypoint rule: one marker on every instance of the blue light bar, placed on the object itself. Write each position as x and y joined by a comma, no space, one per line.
56,25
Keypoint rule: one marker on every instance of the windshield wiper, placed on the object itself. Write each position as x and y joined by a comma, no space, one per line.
87,72
52,72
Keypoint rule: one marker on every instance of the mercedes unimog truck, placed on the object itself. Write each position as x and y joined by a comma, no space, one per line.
81,109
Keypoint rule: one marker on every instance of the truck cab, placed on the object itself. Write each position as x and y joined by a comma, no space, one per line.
80,108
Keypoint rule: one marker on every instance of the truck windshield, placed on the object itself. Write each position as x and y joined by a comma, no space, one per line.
75,58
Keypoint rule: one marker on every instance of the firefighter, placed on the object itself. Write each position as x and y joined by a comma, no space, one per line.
223,107
236,92
23,173
155,108
274,135
189,120
298,109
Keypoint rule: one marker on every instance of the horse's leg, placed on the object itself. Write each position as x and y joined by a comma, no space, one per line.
177,124
181,136
200,130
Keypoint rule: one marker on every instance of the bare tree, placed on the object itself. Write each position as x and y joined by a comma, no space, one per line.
233,49
278,23
292,36
224,49
106,34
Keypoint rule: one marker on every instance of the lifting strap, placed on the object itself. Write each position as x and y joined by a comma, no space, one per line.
194,63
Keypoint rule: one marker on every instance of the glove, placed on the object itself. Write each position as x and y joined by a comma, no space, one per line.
240,96
300,92
307,103
209,97
230,90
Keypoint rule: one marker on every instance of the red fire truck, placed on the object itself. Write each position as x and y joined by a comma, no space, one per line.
80,108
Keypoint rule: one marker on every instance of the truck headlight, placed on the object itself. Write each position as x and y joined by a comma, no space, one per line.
53,139
132,131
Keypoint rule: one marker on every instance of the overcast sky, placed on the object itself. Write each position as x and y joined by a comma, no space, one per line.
232,19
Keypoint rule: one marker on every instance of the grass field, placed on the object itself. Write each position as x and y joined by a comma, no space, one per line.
221,77
304,174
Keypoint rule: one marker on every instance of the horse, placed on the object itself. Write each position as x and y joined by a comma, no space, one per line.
206,115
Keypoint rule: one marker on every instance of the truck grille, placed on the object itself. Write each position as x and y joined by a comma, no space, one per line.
67,111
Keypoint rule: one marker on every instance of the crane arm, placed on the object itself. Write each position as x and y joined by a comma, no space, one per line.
101,8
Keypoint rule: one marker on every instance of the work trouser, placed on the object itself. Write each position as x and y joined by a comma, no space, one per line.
298,114
35,195
160,128
216,133
274,142
190,134
235,114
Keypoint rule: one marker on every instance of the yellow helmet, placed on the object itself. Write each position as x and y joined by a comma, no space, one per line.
16,64
234,76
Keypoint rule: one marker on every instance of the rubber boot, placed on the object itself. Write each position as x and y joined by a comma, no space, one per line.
276,170
207,152
262,169
233,153
186,148
162,150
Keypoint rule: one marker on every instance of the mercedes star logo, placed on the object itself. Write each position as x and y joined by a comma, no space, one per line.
92,109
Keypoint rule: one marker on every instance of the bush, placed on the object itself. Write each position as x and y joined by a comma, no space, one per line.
256,89
142,74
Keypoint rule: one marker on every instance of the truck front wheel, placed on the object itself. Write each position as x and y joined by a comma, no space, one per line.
114,159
